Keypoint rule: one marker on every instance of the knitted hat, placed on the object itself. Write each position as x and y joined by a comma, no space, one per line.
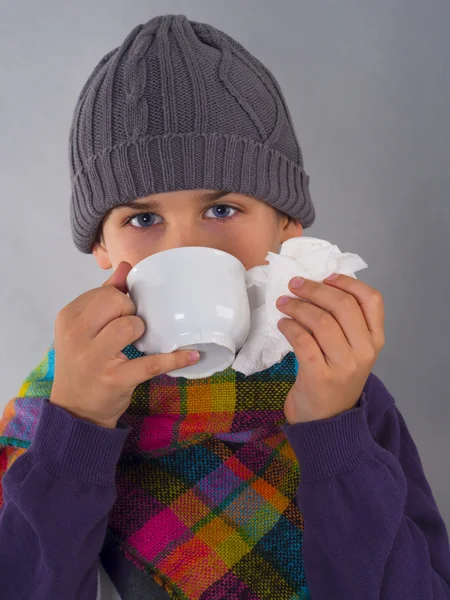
181,105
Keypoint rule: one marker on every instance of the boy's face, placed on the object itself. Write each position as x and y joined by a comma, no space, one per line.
239,224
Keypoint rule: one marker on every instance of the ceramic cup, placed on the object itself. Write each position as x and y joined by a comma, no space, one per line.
192,298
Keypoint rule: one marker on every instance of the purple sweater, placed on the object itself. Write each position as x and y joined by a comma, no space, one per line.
372,530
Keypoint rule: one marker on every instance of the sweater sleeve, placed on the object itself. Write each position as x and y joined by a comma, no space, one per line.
56,500
372,528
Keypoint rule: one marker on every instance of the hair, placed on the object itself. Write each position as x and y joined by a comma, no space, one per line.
99,239
282,214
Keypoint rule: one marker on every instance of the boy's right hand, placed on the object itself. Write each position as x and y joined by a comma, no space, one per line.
93,379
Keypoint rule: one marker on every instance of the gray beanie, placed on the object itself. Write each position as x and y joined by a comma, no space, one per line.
181,105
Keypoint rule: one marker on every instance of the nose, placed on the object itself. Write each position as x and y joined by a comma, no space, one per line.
182,238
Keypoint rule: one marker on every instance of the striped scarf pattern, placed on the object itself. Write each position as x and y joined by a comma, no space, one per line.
206,483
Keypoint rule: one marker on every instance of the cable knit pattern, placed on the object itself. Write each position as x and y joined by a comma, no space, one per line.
181,105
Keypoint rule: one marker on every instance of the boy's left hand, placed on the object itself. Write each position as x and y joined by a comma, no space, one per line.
346,319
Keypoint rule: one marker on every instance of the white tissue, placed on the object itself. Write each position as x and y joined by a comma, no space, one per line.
307,257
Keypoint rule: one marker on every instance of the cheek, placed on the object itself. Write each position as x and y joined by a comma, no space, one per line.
128,251
252,251
124,245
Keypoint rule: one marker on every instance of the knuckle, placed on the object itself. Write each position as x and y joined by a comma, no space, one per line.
118,298
376,297
369,354
127,326
83,360
302,337
347,302
180,359
130,305
352,366
64,316
81,326
312,285
126,303
153,366
68,329
110,379
110,376
60,319
115,297
70,333
327,376
139,325
324,320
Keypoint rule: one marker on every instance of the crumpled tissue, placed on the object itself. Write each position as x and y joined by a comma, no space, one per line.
303,256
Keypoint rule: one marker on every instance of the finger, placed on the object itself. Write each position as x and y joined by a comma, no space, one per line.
104,307
369,299
138,370
325,329
119,278
307,350
115,336
117,281
100,308
342,305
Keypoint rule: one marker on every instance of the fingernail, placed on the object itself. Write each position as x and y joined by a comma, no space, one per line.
283,300
297,282
331,277
194,356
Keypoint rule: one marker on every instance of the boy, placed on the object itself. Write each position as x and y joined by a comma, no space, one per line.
301,481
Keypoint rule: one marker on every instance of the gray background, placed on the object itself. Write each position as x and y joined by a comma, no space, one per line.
368,86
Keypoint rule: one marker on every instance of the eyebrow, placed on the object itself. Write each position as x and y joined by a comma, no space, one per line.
203,198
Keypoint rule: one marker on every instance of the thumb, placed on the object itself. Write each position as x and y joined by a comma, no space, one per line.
119,278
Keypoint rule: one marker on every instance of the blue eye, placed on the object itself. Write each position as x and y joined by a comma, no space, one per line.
220,211
144,220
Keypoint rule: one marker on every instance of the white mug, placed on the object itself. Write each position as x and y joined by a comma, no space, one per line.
192,298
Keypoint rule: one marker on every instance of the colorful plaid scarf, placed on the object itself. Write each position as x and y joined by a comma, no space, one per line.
206,484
